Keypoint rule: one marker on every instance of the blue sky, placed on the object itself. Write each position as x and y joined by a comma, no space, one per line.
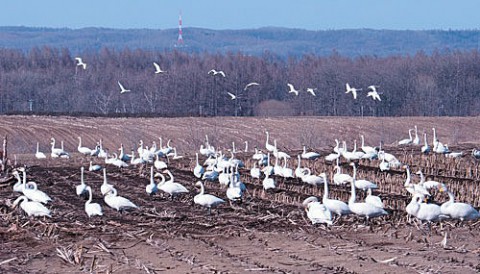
244,14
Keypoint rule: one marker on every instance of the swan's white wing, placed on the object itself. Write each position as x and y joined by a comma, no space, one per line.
232,95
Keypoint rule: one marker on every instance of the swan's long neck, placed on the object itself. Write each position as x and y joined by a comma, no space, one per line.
353,197
104,176
422,178
38,147
299,162
162,179
325,187
408,177
152,182
81,175
89,195
24,179
202,189
246,146
410,134
171,176
425,138
79,141
363,140
304,150
452,198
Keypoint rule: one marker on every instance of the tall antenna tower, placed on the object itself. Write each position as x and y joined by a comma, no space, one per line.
180,37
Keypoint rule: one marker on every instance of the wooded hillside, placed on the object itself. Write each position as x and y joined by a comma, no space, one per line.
47,80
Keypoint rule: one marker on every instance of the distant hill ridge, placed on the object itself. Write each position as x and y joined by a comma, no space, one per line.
281,41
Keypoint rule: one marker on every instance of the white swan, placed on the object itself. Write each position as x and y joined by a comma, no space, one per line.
335,206
407,141
255,171
430,183
425,148
268,183
56,152
414,189
83,150
18,186
33,193
367,149
299,171
268,168
373,200
292,89
234,191
416,140
384,165
332,157
122,89
268,146
311,91
198,170
81,188
423,211
106,187
232,96
352,90
117,202
277,153
151,188
157,68
39,154
159,164
81,63
373,93
136,161
170,186
341,178
348,155
365,185
456,210
309,155
363,209
286,171
250,85
93,167
32,208
317,212
215,72
65,155
92,209
206,200
438,147
311,179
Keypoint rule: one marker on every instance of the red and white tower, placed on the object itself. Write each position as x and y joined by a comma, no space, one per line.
180,37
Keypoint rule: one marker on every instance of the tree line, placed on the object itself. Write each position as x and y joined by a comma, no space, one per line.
47,81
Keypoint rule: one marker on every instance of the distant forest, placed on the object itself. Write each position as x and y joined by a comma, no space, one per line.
46,80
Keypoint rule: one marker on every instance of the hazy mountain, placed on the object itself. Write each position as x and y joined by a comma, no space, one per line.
281,41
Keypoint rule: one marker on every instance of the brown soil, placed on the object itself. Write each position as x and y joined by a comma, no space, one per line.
267,232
